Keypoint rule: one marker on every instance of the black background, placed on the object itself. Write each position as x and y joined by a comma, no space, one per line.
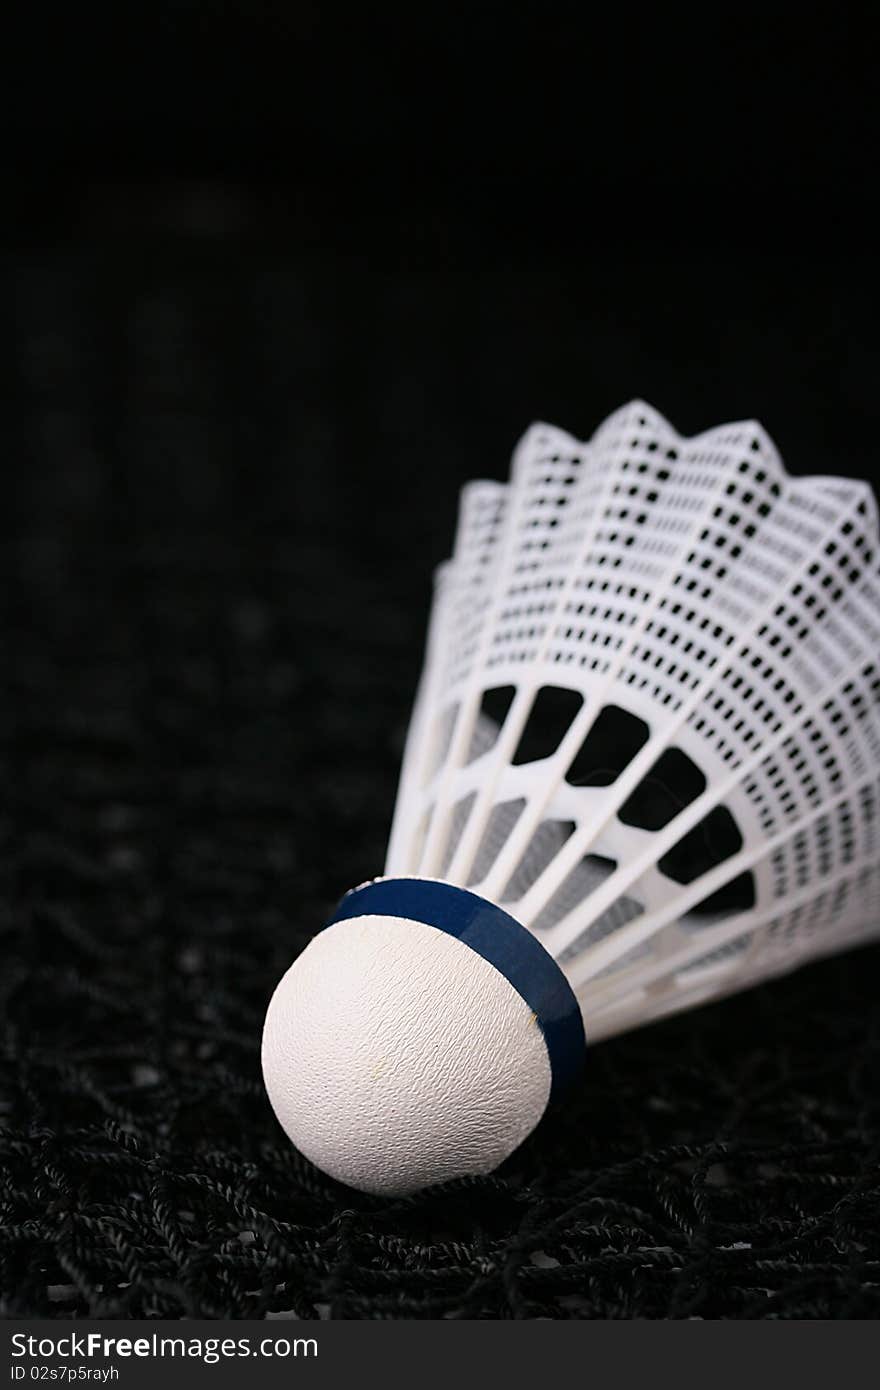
273,284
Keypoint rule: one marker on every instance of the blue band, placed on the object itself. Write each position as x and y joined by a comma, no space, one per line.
499,939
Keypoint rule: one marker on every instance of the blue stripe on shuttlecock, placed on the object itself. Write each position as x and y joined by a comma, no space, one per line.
498,938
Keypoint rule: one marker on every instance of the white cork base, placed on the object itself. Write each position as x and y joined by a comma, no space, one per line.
396,1057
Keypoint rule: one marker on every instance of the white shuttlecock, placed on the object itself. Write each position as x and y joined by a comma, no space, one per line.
642,773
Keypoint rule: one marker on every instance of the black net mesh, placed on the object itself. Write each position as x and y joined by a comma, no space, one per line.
228,478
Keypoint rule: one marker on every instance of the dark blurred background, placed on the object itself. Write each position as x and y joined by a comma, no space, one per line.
273,283
541,211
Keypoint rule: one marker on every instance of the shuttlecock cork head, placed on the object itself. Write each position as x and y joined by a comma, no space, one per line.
418,1038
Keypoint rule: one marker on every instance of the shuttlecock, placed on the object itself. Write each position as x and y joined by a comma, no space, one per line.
642,773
